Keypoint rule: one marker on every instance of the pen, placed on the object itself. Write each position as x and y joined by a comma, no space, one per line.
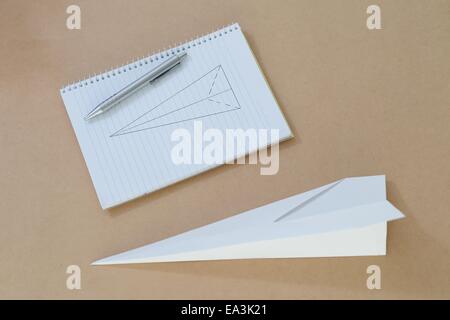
135,85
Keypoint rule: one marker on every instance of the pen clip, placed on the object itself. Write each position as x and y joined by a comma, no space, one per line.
165,71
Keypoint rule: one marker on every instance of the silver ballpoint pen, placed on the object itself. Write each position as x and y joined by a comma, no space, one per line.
135,85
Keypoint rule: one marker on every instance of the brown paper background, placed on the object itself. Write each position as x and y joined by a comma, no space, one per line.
359,102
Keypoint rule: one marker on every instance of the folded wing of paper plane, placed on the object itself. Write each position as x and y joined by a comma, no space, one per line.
345,218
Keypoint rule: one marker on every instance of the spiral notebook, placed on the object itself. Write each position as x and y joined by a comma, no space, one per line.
129,150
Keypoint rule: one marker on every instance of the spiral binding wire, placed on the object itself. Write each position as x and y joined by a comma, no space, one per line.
151,58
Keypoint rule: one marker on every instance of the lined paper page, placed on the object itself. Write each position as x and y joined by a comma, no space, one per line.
128,149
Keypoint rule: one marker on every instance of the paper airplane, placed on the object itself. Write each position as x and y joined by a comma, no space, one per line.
209,95
345,218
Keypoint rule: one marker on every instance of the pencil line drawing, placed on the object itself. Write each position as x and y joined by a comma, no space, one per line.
189,103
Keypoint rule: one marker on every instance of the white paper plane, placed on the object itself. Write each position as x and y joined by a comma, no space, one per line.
344,218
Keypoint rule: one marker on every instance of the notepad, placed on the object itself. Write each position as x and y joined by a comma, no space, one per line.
128,150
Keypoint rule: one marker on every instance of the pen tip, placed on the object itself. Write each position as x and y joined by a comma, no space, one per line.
90,115
97,111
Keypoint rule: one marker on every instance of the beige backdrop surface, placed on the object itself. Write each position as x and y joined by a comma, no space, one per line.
359,102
